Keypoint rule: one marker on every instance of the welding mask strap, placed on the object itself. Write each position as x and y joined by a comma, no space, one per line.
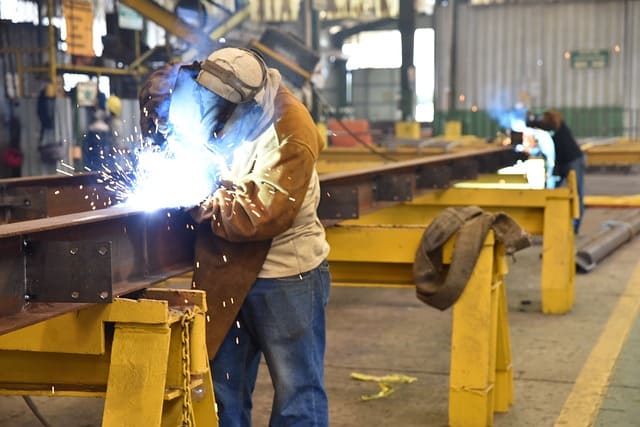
229,78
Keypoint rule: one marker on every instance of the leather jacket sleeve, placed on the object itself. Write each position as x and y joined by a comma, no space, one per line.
265,202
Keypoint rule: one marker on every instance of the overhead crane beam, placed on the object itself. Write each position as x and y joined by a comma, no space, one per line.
170,22
200,41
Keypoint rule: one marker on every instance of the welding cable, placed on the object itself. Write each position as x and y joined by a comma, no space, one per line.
36,411
357,138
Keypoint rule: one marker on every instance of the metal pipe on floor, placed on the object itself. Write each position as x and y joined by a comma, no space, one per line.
614,234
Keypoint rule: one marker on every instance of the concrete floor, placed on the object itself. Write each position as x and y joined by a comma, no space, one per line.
382,331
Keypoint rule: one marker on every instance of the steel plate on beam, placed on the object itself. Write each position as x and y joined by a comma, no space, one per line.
395,188
434,177
144,248
68,271
30,198
339,203
464,169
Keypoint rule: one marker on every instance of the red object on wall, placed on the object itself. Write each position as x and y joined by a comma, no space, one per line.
349,133
12,157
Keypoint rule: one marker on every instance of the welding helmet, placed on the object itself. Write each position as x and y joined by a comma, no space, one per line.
533,120
236,74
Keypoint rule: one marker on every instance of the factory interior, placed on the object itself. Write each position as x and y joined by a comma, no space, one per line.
473,172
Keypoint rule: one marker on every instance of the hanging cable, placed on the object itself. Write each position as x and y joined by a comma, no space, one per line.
343,125
36,411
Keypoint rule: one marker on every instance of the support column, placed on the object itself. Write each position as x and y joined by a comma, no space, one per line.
407,27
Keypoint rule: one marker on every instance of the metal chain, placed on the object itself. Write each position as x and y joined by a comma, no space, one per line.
187,403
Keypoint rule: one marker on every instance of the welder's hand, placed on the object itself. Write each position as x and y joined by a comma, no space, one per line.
203,212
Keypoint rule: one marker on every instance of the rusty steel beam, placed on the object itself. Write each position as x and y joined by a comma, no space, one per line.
53,265
41,197
56,264
29,198
345,195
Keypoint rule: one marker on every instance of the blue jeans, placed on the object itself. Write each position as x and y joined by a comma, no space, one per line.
284,319
578,165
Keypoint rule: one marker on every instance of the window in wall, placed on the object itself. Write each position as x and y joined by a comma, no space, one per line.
19,11
382,49
424,61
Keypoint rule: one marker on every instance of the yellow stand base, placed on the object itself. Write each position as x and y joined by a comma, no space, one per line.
481,378
146,357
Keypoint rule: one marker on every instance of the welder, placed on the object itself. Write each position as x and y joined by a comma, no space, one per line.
569,155
260,248
538,142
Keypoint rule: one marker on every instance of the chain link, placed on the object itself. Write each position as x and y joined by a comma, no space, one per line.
187,404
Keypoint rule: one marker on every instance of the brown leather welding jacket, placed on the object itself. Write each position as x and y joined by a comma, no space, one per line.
232,246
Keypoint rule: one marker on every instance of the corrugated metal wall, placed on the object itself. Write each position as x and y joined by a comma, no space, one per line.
510,53
631,85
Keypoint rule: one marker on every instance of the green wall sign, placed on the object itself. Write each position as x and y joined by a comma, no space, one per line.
595,58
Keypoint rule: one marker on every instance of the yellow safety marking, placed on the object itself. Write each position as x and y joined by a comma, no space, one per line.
582,405
618,201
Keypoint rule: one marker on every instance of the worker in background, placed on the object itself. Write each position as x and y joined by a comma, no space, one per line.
97,143
569,156
538,143
114,120
122,144
260,249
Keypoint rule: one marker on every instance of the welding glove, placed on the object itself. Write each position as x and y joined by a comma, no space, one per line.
204,211
155,99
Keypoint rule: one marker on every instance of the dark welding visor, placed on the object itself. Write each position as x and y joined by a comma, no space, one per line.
195,109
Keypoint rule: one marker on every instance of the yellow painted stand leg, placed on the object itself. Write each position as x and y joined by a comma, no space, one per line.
558,258
143,356
479,348
481,378
138,362
504,371
203,398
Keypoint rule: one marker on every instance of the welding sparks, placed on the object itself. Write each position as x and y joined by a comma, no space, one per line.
199,148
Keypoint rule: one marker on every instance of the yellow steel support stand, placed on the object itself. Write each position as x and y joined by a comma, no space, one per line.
481,380
549,213
407,130
621,153
146,357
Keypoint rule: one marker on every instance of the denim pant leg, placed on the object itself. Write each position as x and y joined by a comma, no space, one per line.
579,165
234,370
289,316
